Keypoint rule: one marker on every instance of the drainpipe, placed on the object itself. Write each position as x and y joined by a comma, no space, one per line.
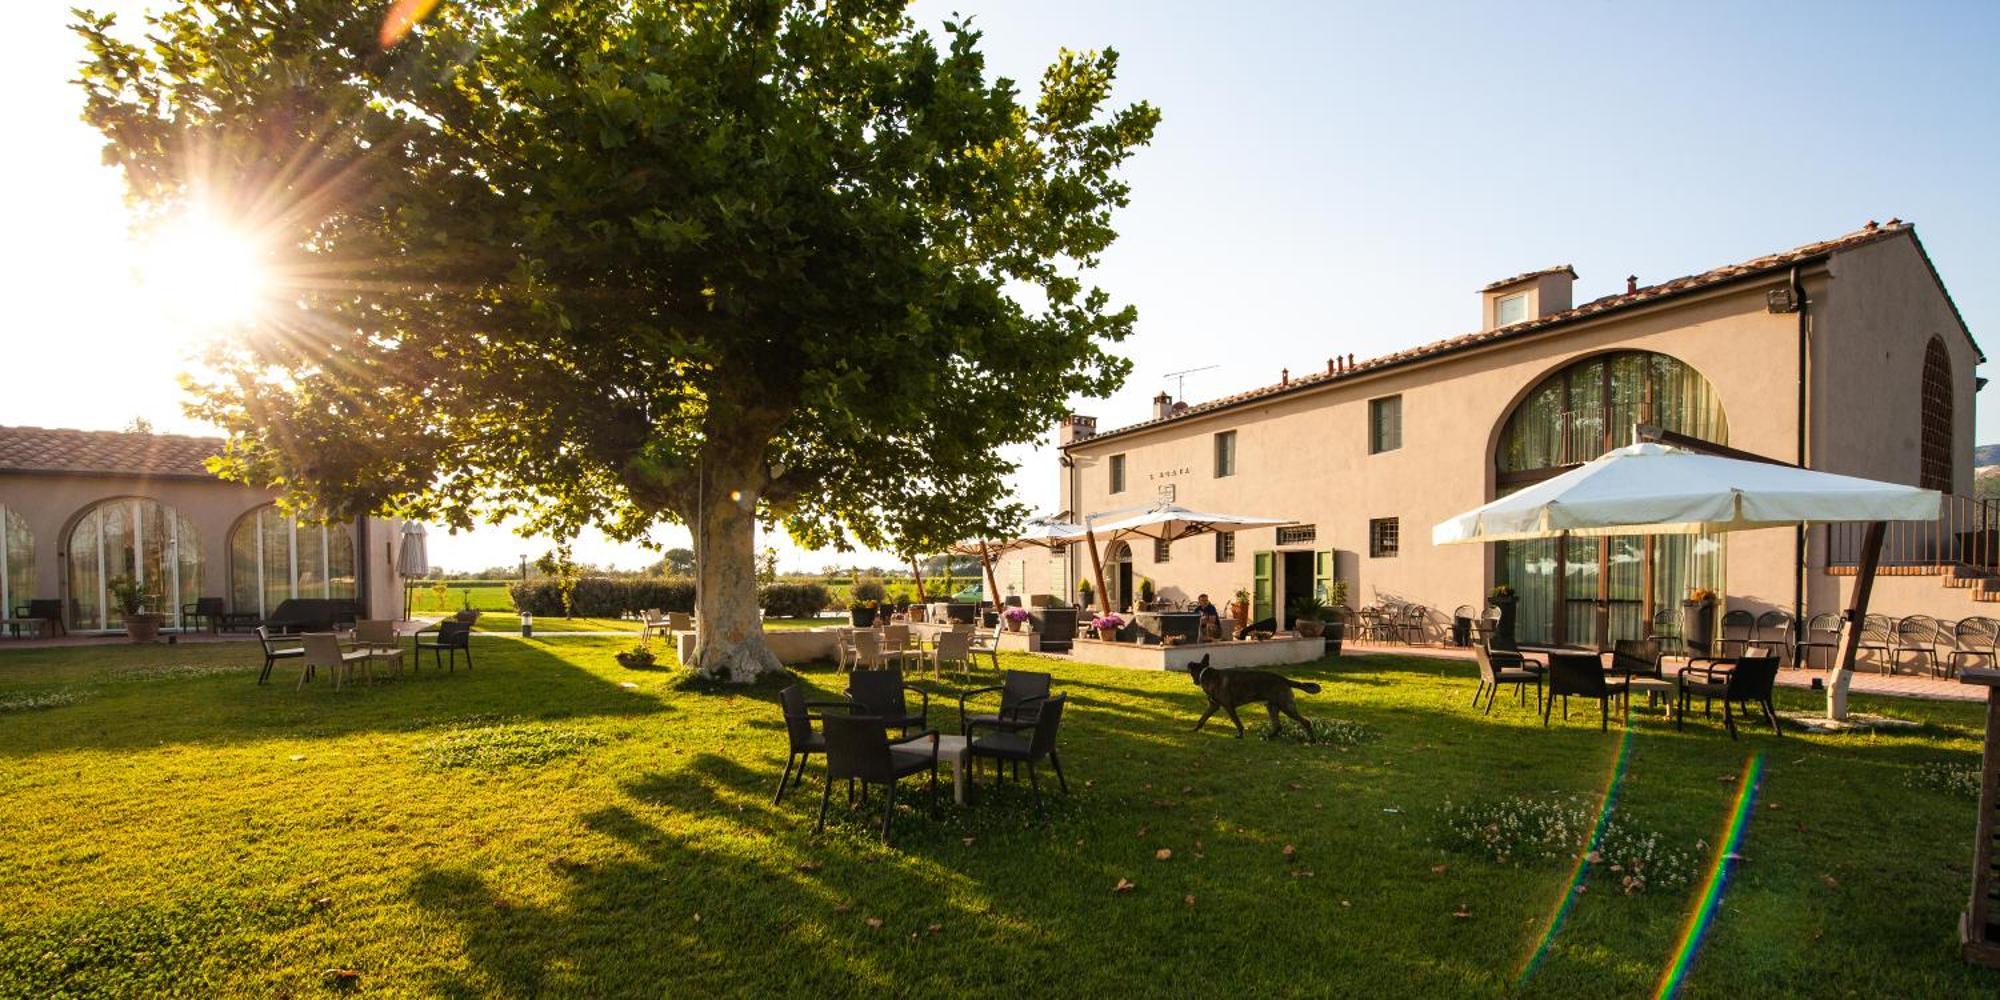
1799,533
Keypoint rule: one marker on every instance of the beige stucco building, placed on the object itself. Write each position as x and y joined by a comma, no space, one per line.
79,509
1845,355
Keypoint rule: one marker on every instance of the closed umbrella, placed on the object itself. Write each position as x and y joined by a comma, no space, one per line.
412,558
1649,488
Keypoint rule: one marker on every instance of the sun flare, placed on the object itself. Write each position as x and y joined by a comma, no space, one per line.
203,274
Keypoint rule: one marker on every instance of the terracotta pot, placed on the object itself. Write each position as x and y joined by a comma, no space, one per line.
1013,626
144,626
1108,634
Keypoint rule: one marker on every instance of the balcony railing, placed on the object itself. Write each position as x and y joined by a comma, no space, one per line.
1966,533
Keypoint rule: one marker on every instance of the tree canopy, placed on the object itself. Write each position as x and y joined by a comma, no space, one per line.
619,262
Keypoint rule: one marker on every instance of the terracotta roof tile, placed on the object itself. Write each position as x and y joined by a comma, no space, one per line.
1596,307
40,449
1517,279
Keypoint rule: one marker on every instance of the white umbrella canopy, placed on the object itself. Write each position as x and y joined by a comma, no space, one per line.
413,556
1167,522
1653,489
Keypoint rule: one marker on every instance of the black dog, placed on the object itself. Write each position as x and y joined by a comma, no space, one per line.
1227,689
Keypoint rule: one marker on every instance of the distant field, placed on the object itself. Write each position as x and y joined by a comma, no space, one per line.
483,595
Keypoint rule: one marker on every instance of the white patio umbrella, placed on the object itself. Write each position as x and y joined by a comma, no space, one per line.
1165,522
1648,489
1049,532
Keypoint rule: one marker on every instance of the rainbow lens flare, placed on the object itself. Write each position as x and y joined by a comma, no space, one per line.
1710,900
1583,863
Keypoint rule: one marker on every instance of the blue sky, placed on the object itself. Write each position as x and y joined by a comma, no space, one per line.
1328,178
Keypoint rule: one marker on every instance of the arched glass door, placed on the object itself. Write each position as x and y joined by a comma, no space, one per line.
273,557
17,563
134,538
1594,591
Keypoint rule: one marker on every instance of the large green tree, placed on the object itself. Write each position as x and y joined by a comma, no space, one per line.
620,262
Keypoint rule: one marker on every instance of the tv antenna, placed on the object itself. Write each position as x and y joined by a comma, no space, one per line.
1180,380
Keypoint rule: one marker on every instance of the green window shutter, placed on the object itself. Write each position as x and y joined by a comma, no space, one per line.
1323,575
1261,591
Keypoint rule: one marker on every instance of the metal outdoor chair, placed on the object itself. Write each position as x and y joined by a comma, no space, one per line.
205,609
1498,667
1737,629
1975,638
880,693
1007,745
802,740
1666,630
1822,632
1413,626
1917,637
858,748
1774,629
1878,635
1582,674
1748,680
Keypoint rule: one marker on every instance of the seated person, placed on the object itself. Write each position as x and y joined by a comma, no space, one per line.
1211,619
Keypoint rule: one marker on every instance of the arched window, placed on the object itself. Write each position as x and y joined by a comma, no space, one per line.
149,543
1592,591
17,567
1935,471
273,558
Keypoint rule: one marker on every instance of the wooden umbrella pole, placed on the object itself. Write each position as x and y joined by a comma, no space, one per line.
917,573
992,586
1857,615
1096,565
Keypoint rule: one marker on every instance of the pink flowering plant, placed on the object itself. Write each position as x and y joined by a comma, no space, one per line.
1016,615
1107,621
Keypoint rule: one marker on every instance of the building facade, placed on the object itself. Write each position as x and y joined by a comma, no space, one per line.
81,509
1845,355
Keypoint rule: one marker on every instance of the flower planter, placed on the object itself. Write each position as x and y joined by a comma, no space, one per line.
144,626
1335,633
1698,617
1013,626
861,617
1108,634
467,617
1503,630
1310,630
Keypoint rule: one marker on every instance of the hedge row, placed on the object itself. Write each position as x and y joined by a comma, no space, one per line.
610,597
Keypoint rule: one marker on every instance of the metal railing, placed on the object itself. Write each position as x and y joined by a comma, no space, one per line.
1966,533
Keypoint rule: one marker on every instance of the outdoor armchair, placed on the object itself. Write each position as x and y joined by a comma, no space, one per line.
880,693
323,649
1022,694
802,740
1006,745
377,636
1582,674
1747,680
1917,637
209,609
858,748
1498,667
273,653
452,636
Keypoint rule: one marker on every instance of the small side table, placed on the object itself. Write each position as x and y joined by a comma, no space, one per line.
957,750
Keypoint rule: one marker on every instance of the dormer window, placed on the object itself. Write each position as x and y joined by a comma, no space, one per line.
1510,309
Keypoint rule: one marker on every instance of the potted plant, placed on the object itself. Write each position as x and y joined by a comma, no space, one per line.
465,612
1336,628
1146,593
1084,592
132,601
1107,626
862,613
1309,615
1698,617
1503,599
1239,609
1016,617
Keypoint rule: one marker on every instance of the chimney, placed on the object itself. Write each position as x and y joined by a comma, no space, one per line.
1350,361
1329,366
1526,297
1163,406
1075,427
1284,376
1631,283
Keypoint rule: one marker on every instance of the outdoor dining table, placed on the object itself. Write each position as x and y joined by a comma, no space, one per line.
1668,684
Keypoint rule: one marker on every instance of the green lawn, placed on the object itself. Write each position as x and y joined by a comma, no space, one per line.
539,827
511,622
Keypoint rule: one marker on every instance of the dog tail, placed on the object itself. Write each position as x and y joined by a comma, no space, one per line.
1306,686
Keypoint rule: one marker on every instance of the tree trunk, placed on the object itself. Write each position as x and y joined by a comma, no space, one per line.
729,634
